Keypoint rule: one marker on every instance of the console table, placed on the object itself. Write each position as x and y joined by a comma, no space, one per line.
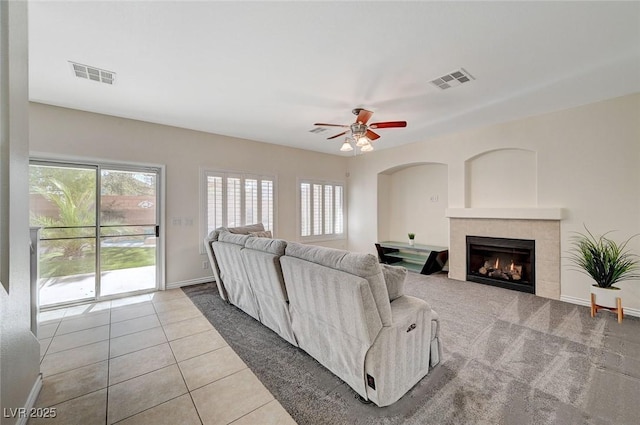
424,259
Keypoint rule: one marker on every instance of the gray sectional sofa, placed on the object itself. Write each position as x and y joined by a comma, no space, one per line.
344,309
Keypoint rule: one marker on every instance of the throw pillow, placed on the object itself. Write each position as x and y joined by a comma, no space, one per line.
264,234
394,278
244,230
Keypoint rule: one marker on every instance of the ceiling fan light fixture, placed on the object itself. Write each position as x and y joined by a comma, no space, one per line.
362,141
366,148
358,129
346,146
360,134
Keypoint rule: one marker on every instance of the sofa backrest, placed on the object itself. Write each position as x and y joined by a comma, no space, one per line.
228,252
333,316
262,262
358,264
262,257
212,237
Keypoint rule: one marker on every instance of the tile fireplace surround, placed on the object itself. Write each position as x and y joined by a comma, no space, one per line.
541,225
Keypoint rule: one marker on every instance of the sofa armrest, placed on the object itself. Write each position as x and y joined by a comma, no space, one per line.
400,356
214,265
436,346
394,277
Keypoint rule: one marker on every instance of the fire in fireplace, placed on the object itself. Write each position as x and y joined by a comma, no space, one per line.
507,263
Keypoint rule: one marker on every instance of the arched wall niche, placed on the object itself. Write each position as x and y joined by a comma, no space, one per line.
502,178
413,198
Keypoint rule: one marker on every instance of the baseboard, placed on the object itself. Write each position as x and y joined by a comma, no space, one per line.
189,282
573,300
31,400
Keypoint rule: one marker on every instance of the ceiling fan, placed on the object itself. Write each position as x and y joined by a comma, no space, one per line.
361,133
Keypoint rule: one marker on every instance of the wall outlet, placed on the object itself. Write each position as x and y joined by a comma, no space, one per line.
434,198
176,221
205,264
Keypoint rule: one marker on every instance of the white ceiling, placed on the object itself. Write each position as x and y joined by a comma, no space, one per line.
267,71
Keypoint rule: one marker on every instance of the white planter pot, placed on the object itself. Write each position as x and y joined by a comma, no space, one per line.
411,242
606,297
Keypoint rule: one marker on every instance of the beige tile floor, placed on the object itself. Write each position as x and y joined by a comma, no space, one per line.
149,359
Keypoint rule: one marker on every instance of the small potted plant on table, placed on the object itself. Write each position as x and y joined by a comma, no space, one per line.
412,236
607,263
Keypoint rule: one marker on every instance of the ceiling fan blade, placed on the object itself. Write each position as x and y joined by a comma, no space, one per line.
364,116
388,124
337,135
372,136
330,125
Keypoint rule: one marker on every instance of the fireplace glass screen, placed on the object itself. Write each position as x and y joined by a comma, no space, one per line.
508,263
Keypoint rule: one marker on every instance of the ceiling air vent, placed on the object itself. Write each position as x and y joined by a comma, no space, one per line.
317,130
93,73
452,79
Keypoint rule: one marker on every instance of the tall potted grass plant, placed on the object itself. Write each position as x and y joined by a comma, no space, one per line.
607,263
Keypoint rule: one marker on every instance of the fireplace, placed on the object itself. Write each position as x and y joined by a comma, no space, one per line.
507,263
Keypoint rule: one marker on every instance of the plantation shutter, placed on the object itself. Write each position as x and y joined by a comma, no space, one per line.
339,219
267,203
305,209
215,206
328,209
317,209
250,201
321,210
234,202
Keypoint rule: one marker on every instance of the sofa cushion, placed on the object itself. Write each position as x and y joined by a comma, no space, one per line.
359,264
233,238
394,277
272,246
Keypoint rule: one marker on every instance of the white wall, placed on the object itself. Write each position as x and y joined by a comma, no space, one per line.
413,200
501,179
65,132
587,161
19,348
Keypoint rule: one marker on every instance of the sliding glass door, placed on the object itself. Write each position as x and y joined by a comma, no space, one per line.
128,230
100,228
63,204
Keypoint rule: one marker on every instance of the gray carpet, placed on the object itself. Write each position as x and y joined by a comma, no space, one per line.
508,358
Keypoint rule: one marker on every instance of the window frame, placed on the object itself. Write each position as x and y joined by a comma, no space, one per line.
206,172
323,236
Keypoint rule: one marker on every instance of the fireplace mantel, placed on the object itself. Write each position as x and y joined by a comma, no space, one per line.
506,213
